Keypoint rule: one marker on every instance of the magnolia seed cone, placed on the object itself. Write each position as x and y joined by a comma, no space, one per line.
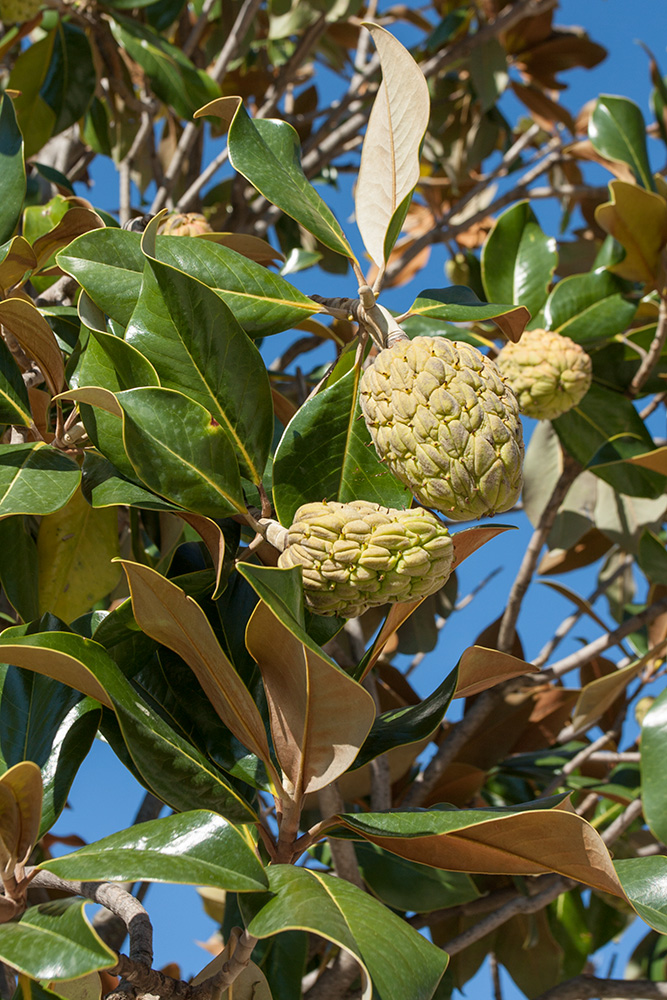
446,424
548,372
184,224
358,555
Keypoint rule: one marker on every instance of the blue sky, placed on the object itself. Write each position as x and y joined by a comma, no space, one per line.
104,797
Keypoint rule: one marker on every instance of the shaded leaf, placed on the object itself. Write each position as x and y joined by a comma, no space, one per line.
12,170
35,479
405,885
14,401
17,261
191,848
638,220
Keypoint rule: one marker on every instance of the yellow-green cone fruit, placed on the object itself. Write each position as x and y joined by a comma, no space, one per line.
548,372
446,424
359,555
18,11
184,224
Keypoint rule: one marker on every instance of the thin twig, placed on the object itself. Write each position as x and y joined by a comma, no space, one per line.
653,353
621,824
571,469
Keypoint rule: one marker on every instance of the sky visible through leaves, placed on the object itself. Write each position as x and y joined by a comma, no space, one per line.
104,797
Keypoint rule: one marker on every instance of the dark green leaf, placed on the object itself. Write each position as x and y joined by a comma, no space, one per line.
588,308
399,961
406,885
19,567
177,450
54,941
12,170
654,748
195,848
198,348
602,416
326,451
459,304
268,153
652,558
28,76
35,479
643,880
170,766
173,77
618,131
410,724
104,486
109,265
518,260
69,84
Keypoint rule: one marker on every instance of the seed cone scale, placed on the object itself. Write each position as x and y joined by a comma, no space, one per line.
548,372
184,224
359,555
446,424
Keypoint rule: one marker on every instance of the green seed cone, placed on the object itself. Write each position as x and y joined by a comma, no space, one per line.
548,372
446,424
359,555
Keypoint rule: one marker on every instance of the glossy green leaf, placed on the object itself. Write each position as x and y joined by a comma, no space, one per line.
19,566
267,152
109,264
654,747
177,451
518,260
54,941
644,882
173,77
652,557
261,301
602,416
69,85
14,402
618,131
326,451
410,724
12,170
393,956
104,486
29,74
35,479
589,308
173,768
198,348
616,364
459,304
50,724
194,848
406,885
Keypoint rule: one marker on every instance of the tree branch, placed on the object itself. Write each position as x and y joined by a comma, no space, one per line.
655,350
587,987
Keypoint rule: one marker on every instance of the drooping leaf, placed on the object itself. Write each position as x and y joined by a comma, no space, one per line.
172,767
173,77
326,451
588,308
192,848
12,170
179,452
389,167
459,304
637,219
54,941
606,420
618,131
165,613
393,956
319,715
75,546
495,841
518,260
268,154
35,479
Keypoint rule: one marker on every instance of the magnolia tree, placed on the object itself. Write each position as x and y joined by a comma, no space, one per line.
215,565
